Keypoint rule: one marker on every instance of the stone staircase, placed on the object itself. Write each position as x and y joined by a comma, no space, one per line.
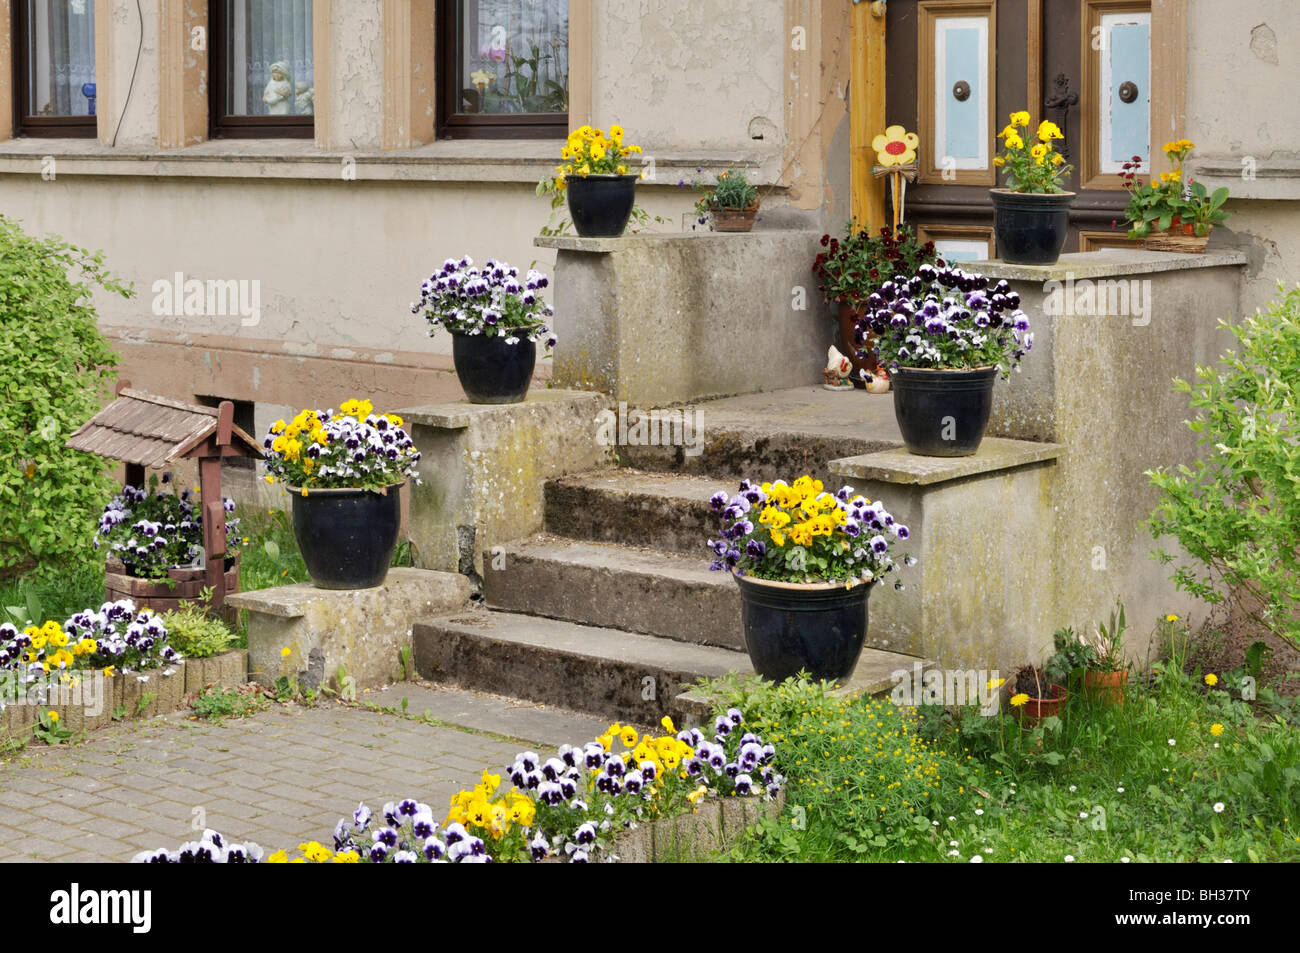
612,608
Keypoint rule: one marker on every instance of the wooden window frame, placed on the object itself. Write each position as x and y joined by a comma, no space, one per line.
41,127
929,11
1097,239
452,124
937,233
222,126
1090,174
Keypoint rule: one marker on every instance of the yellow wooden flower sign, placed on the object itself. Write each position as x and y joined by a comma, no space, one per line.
895,146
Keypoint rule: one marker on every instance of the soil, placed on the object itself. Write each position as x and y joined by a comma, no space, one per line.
1220,646
1032,682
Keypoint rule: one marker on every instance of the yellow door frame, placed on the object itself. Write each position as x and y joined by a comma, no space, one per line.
867,110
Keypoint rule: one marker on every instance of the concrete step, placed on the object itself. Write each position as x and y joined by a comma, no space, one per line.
604,584
776,435
666,511
603,671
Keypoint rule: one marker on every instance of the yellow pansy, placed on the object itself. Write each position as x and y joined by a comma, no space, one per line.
1048,130
1020,119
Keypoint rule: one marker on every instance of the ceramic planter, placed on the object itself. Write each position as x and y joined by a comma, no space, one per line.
600,205
1030,227
734,219
817,627
943,413
346,536
492,371
1107,687
1036,709
849,317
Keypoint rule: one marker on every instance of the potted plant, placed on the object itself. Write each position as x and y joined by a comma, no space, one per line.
732,203
1095,661
1034,696
1031,212
944,336
154,542
344,470
853,267
594,175
1167,213
805,561
495,318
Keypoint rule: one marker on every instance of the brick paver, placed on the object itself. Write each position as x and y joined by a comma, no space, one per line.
278,778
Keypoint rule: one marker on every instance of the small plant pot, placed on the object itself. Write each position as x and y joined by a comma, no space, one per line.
1036,709
734,219
492,371
849,317
1030,227
1105,687
347,537
816,627
943,413
600,205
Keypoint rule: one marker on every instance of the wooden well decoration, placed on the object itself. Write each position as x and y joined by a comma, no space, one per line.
146,431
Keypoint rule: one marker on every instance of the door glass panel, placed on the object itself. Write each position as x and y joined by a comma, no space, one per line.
961,91
1126,90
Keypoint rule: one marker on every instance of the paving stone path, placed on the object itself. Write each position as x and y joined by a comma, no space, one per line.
279,777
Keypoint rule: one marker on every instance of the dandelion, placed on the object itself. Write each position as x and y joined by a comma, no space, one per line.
1216,729
1019,700
1171,618
285,652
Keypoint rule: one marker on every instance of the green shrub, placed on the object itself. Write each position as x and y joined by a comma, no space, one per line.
195,634
1236,512
55,372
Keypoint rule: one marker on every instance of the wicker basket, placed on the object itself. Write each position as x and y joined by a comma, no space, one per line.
1176,242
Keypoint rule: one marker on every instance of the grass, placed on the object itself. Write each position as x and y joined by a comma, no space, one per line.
51,594
218,704
1181,772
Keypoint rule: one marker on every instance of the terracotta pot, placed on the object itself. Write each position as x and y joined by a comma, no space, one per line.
848,321
1107,687
734,219
1036,709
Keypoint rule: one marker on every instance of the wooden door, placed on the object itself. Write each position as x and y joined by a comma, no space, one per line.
957,69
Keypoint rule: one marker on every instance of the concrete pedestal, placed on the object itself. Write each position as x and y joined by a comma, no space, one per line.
364,630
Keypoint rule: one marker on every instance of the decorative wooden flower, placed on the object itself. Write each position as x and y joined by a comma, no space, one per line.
896,146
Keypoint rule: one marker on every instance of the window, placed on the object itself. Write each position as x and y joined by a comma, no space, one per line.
503,68
262,69
54,67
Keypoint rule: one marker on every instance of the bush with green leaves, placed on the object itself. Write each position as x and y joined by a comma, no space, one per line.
195,633
1236,511
56,369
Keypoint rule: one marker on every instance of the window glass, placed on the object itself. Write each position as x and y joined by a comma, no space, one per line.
512,57
60,62
268,58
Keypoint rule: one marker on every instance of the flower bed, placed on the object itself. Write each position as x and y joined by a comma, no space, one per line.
96,667
623,796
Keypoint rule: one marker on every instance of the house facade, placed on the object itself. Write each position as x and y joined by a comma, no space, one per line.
277,177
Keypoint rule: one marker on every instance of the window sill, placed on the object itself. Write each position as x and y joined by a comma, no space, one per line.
447,160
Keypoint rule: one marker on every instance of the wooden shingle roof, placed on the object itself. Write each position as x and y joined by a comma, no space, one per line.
152,431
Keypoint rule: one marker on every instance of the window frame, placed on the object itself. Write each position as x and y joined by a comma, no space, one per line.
40,127
223,126
452,124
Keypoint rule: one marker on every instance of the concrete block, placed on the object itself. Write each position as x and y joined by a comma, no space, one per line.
688,837
362,629
486,466
601,584
655,319
665,511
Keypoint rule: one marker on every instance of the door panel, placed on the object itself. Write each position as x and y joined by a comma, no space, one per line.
942,83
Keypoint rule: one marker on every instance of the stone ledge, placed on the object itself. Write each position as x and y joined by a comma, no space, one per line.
605,246
364,630
911,469
462,414
1105,263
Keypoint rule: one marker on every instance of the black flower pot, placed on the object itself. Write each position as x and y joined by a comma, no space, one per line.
492,371
600,205
346,537
943,413
818,628
1030,227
